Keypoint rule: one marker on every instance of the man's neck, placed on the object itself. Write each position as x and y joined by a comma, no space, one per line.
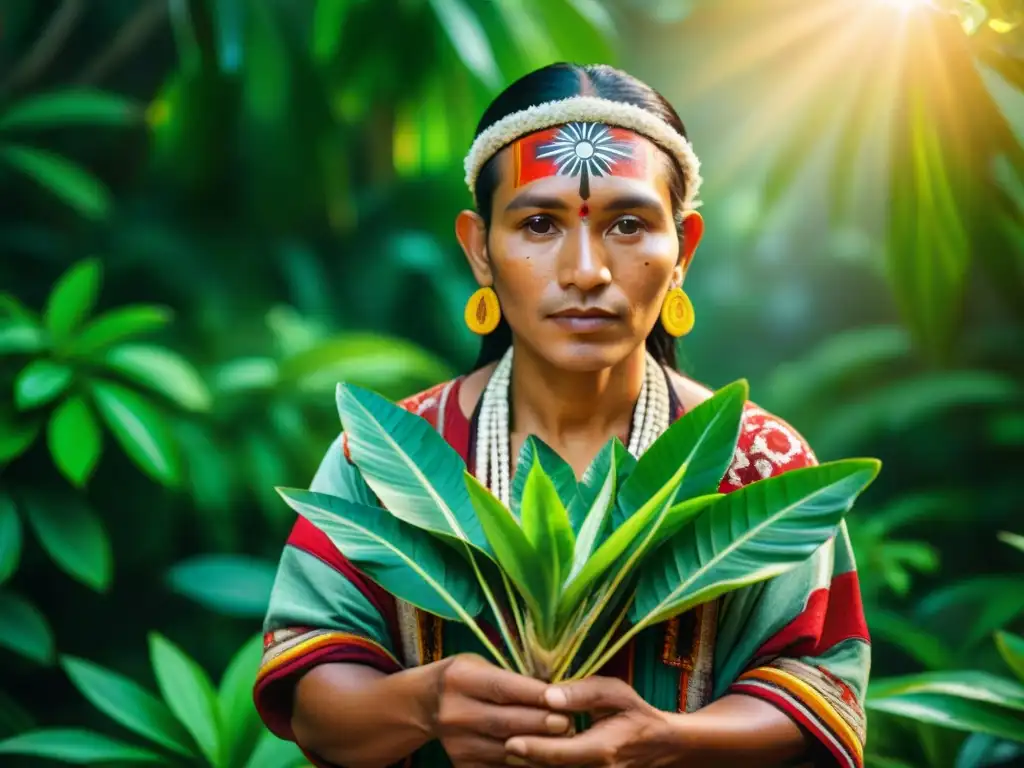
565,406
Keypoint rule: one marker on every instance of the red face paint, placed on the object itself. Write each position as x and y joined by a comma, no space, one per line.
584,211
584,150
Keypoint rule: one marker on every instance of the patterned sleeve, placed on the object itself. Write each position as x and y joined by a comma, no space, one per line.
322,609
799,641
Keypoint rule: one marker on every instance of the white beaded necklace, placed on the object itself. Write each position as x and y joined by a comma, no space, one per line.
650,418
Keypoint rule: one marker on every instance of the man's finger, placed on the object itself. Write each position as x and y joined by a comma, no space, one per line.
498,686
588,748
501,722
594,693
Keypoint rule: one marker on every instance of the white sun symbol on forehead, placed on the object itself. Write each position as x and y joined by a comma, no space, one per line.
584,150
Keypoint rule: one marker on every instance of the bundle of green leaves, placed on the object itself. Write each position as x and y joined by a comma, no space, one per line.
573,569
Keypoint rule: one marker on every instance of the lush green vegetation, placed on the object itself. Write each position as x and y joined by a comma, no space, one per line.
214,210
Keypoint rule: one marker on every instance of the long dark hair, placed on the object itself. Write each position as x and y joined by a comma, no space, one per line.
560,81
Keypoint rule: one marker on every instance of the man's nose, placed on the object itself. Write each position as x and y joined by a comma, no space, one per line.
584,263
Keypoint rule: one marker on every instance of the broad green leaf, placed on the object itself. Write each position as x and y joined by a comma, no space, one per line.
239,720
963,684
128,704
369,359
234,585
74,745
328,25
75,440
18,337
546,526
554,466
405,560
589,514
512,549
40,382
118,325
72,298
70,107
16,435
953,712
73,536
617,543
1015,540
414,472
66,180
140,429
1011,647
189,695
463,29
24,629
703,439
272,752
749,535
969,611
10,538
161,370
981,750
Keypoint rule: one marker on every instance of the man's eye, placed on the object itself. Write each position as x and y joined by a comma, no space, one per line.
540,225
630,226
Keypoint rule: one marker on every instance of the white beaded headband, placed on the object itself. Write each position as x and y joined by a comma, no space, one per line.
586,109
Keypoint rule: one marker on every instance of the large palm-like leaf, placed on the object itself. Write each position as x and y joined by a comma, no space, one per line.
555,467
750,535
403,559
704,440
409,466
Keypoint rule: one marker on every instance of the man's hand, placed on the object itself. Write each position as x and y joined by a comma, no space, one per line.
480,706
627,732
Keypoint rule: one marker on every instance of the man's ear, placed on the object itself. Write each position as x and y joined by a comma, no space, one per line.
693,231
472,236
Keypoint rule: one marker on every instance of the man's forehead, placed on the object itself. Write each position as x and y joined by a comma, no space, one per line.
583,151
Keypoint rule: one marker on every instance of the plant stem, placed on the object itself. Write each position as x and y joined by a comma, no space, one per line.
576,639
587,669
496,610
601,645
514,604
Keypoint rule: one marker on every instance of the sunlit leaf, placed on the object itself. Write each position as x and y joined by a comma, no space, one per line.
74,745
24,629
952,712
241,723
973,685
128,704
73,536
328,25
546,526
752,534
272,752
463,29
40,382
189,695
405,560
414,472
10,538
234,585
140,429
160,370
368,360
75,440
58,109
118,325
72,298
18,337
71,183
1011,647
512,549
1015,540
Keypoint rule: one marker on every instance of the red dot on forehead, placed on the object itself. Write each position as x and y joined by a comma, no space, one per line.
584,211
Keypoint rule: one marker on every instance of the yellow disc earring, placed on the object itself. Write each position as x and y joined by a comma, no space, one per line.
677,315
482,311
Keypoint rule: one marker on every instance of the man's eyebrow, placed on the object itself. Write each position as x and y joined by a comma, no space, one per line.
528,200
632,201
